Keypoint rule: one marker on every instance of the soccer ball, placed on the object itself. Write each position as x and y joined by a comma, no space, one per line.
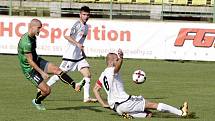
139,76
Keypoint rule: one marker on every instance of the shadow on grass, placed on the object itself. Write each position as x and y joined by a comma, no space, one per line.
64,100
191,115
156,98
91,108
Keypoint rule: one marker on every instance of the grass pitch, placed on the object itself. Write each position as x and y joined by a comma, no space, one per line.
167,81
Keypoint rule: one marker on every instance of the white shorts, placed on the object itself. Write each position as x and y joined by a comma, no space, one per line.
134,105
72,66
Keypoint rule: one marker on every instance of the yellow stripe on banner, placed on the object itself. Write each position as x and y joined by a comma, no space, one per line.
199,2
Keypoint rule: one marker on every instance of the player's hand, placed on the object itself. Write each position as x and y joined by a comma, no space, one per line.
80,46
106,106
45,75
120,53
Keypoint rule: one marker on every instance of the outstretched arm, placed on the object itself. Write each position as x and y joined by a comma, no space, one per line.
119,62
97,94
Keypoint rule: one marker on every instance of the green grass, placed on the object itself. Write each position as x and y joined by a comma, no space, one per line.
167,82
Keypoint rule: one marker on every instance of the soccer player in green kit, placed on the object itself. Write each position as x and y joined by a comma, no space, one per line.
36,69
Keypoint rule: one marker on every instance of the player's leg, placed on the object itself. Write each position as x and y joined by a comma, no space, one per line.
86,74
65,66
145,114
139,114
133,107
52,80
84,69
45,90
51,68
167,108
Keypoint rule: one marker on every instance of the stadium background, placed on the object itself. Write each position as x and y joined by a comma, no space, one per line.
199,10
171,82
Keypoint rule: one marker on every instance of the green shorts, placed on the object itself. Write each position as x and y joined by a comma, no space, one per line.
34,76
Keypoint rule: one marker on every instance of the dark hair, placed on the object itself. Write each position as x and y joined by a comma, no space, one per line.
85,9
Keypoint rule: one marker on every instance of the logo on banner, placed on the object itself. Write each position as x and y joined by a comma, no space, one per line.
13,29
200,37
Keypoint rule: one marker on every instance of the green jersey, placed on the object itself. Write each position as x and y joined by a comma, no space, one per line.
26,45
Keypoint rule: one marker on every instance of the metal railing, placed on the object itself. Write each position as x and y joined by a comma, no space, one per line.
128,9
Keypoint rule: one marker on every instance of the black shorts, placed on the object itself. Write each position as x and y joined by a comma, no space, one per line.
34,76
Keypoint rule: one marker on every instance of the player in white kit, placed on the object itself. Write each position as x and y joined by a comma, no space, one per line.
74,56
118,100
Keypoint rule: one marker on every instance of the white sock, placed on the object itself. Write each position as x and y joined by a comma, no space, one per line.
52,80
86,88
170,109
138,114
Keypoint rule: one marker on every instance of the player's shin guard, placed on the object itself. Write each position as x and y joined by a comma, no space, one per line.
66,79
39,99
38,94
86,88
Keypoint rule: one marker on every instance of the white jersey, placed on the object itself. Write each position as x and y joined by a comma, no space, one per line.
113,86
78,32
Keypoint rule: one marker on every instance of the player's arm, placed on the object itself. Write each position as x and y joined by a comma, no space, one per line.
119,62
34,65
71,39
97,94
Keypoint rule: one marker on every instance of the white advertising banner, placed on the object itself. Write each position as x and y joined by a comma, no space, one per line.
138,39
